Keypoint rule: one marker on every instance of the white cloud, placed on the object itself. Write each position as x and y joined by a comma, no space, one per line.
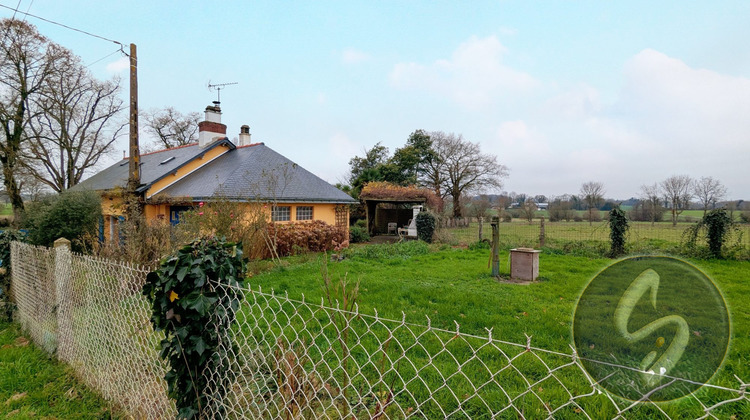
579,102
474,76
508,31
678,103
354,56
119,65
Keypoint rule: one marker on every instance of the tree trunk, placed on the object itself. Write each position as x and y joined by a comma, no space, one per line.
11,186
674,215
456,205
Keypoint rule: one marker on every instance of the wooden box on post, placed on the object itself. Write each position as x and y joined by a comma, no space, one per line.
524,264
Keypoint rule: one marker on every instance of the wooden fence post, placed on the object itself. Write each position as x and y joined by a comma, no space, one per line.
541,232
63,299
495,223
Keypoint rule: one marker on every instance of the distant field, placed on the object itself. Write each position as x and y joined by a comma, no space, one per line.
640,235
685,216
6,209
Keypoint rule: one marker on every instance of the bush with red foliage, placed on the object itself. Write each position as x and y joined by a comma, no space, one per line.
313,236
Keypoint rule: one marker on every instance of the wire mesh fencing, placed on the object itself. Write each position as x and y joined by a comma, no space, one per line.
641,236
287,358
91,314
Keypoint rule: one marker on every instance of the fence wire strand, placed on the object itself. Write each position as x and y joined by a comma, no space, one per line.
287,358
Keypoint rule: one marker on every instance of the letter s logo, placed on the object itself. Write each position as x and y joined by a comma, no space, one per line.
647,281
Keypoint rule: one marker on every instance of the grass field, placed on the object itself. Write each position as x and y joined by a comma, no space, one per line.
454,285
34,386
642,237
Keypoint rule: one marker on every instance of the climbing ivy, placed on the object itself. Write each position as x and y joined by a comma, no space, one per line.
717,226
618,228
425,226
192,312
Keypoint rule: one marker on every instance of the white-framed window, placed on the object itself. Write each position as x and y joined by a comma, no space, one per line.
304,212
281,213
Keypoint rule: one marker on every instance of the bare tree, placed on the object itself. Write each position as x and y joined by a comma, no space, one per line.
76,123
592,194
479,208
651,197
171,127
434,174
528,209
459,168
26,58
676,190
708,191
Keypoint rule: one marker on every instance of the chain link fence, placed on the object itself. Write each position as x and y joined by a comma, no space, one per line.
287,358
91,314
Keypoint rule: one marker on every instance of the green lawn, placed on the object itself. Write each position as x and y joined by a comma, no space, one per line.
454,285
34,386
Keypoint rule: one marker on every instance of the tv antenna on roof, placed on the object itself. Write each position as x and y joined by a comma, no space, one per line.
218,87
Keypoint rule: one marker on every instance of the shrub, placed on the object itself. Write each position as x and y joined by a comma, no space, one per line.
187,306
401,250
717,226
577,218
618,227
6,237
445,236
143,242
507,218
480,245
239,222
426,226
314,236
73,215
745,217
358,234
362,223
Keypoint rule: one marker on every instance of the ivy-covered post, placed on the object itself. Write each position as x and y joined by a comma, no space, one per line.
618,227
425,226
64,299
195,295
495,246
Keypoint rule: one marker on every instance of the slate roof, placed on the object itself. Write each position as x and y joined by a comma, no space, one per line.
254,172
152,168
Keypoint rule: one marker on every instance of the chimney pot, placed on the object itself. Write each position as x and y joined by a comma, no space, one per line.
211,128
244,135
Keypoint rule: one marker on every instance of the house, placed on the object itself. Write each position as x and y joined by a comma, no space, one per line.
177,179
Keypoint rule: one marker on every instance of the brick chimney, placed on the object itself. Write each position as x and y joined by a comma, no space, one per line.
244,135
211,129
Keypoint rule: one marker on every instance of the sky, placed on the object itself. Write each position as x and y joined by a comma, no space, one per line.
625,93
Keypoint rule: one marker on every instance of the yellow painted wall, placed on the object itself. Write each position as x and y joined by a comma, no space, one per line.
189,167
156,211
112,205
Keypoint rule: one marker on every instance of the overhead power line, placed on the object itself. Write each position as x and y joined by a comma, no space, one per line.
15,10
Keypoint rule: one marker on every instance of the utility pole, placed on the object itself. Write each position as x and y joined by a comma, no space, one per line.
134,165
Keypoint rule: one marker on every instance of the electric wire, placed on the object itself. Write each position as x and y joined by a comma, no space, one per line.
105,57
63,25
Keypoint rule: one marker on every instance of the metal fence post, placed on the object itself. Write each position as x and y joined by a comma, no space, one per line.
63,299
495,223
